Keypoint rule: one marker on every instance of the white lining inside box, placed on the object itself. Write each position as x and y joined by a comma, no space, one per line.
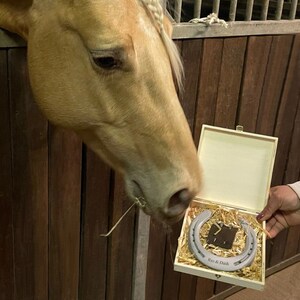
237,169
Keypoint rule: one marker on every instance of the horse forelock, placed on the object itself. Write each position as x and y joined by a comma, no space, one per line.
155,9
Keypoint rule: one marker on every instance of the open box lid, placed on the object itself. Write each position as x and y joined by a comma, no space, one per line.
237,167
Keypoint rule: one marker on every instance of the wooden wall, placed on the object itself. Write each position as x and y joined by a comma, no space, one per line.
57,197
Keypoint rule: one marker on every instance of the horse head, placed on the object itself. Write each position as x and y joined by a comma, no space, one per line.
106,70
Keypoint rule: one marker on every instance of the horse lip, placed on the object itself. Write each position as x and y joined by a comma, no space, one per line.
169,220
139,198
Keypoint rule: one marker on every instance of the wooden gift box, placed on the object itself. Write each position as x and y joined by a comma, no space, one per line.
237,169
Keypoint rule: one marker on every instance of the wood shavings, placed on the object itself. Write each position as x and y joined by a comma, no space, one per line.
228,217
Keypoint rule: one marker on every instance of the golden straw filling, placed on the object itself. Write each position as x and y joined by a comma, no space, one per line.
229,217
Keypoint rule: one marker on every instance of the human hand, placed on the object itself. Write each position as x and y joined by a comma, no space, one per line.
281,211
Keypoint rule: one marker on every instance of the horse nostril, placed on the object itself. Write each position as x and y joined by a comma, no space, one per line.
179,202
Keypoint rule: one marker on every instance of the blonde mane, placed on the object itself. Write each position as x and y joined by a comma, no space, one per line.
155,9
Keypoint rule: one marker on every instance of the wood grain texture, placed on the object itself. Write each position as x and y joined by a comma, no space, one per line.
64,213
30,184
270,99
287,109
273,84
191,48
6,205
208,84
228,93
121,245
188,285
204,288
171,280
94,211
256,60
254,82
292,171
284,130
230,80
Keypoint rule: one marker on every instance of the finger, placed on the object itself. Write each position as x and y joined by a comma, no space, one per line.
272,206
276,228
276,224
270,223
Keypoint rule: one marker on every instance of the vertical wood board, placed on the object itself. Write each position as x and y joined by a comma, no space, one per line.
6,205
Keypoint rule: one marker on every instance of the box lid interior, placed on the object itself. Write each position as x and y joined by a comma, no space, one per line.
237,167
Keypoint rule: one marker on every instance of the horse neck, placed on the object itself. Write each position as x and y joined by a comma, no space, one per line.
14,16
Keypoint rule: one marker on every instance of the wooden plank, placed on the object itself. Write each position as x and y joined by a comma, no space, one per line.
237,28
284,129
191,48
188,285
270,101
230,80
293,164
292,242
156,258
218,104
228,93
171,280
6,205
278,247
288,106
256,60
157,281
208,84
30,184
95,218
171,283
273,84
221,286
204,288
64,215
121,246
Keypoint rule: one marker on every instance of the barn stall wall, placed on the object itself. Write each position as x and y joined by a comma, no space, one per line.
57,197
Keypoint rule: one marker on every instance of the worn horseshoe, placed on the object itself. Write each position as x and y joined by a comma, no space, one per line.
217,262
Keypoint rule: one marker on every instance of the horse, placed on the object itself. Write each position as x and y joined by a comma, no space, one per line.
108,70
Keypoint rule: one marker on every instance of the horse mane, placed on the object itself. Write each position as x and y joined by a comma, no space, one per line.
155,9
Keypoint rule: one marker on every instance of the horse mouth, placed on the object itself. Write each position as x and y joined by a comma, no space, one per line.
140,200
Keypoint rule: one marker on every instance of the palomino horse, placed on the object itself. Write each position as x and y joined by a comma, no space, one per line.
105,69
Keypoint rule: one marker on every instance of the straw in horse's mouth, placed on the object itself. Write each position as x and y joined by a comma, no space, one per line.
138,196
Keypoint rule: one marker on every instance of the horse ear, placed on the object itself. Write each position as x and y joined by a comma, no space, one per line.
14,16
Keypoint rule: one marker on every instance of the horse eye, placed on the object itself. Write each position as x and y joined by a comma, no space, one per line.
107,62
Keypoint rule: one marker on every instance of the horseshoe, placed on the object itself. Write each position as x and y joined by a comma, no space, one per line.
217,262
